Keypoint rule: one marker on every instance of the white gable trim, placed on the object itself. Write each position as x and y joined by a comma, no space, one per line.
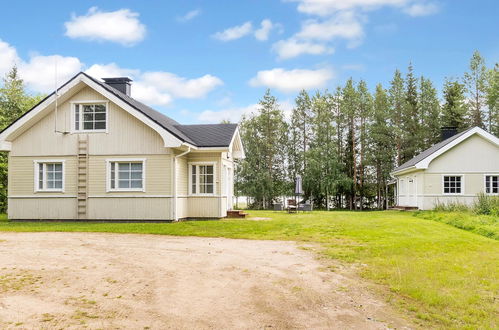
424,163
236,138
170,141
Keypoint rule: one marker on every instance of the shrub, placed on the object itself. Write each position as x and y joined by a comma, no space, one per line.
486,204
451,207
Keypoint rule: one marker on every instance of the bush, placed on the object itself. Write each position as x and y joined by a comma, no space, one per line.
486,204
451,207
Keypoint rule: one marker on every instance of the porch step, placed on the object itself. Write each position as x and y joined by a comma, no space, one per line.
404,208
236,214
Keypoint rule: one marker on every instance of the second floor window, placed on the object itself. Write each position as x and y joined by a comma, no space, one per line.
90,117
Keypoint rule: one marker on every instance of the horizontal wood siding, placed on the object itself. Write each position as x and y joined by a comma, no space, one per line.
132,208
42,208
203,207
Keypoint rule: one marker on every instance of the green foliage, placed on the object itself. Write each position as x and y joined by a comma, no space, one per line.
262,174
493,100
463,218
14,102
455,109
487,204
476,83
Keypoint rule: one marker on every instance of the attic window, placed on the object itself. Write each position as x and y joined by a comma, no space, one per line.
90,117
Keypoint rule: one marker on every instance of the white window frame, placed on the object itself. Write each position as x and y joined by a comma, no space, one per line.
124,160
485,183
214,164
73,114
462,184
36,164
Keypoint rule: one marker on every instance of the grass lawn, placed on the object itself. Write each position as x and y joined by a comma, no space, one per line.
437,274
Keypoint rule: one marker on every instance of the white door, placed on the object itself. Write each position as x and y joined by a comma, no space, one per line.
412,191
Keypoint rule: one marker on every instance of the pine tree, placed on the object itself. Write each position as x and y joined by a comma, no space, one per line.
396,99
455,109
410,117
300,135
14,102
262,173
365,112
350,105
430,114
382,155
493,100
476,81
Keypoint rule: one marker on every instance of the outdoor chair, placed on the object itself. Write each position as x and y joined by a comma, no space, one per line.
292,208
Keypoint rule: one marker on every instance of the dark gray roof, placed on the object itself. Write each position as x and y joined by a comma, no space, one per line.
216,135
429,151
208,135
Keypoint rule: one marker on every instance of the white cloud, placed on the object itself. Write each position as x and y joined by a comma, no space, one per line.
110,70
292,80
158,87
421,9
189,15
345,25
328,7
234,32
234,115
290,48
121,26
263,32
182,87
39,73
8,57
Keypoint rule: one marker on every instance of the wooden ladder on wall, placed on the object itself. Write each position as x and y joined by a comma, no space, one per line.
82,176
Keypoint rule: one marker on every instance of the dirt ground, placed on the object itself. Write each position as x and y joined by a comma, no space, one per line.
103,281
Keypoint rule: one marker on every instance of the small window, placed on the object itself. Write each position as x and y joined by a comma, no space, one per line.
90,117
202,179
126,175
492,184
49,176
452,184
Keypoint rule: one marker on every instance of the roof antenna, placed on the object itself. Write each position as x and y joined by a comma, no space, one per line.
56,98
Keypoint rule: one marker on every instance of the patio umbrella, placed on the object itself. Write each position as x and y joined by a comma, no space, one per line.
298,188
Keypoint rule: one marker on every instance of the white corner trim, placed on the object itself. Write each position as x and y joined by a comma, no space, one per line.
36,177
423,164
108,174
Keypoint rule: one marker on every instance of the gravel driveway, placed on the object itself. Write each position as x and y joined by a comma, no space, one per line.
94,280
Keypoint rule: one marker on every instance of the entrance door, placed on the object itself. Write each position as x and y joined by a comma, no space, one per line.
412,191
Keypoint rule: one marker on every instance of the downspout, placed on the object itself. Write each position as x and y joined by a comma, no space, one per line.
175,214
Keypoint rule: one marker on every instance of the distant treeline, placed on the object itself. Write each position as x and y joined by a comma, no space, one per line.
344,143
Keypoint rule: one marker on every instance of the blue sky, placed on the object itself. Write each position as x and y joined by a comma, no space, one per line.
204,61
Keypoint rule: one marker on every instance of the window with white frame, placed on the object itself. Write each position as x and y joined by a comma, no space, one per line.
49,176
126,175
452,184
90,117
492,184
202,179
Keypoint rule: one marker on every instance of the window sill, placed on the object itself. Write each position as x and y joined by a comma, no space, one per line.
90,131
126,190
50,191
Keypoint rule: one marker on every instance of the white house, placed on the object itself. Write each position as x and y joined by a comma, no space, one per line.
454,170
